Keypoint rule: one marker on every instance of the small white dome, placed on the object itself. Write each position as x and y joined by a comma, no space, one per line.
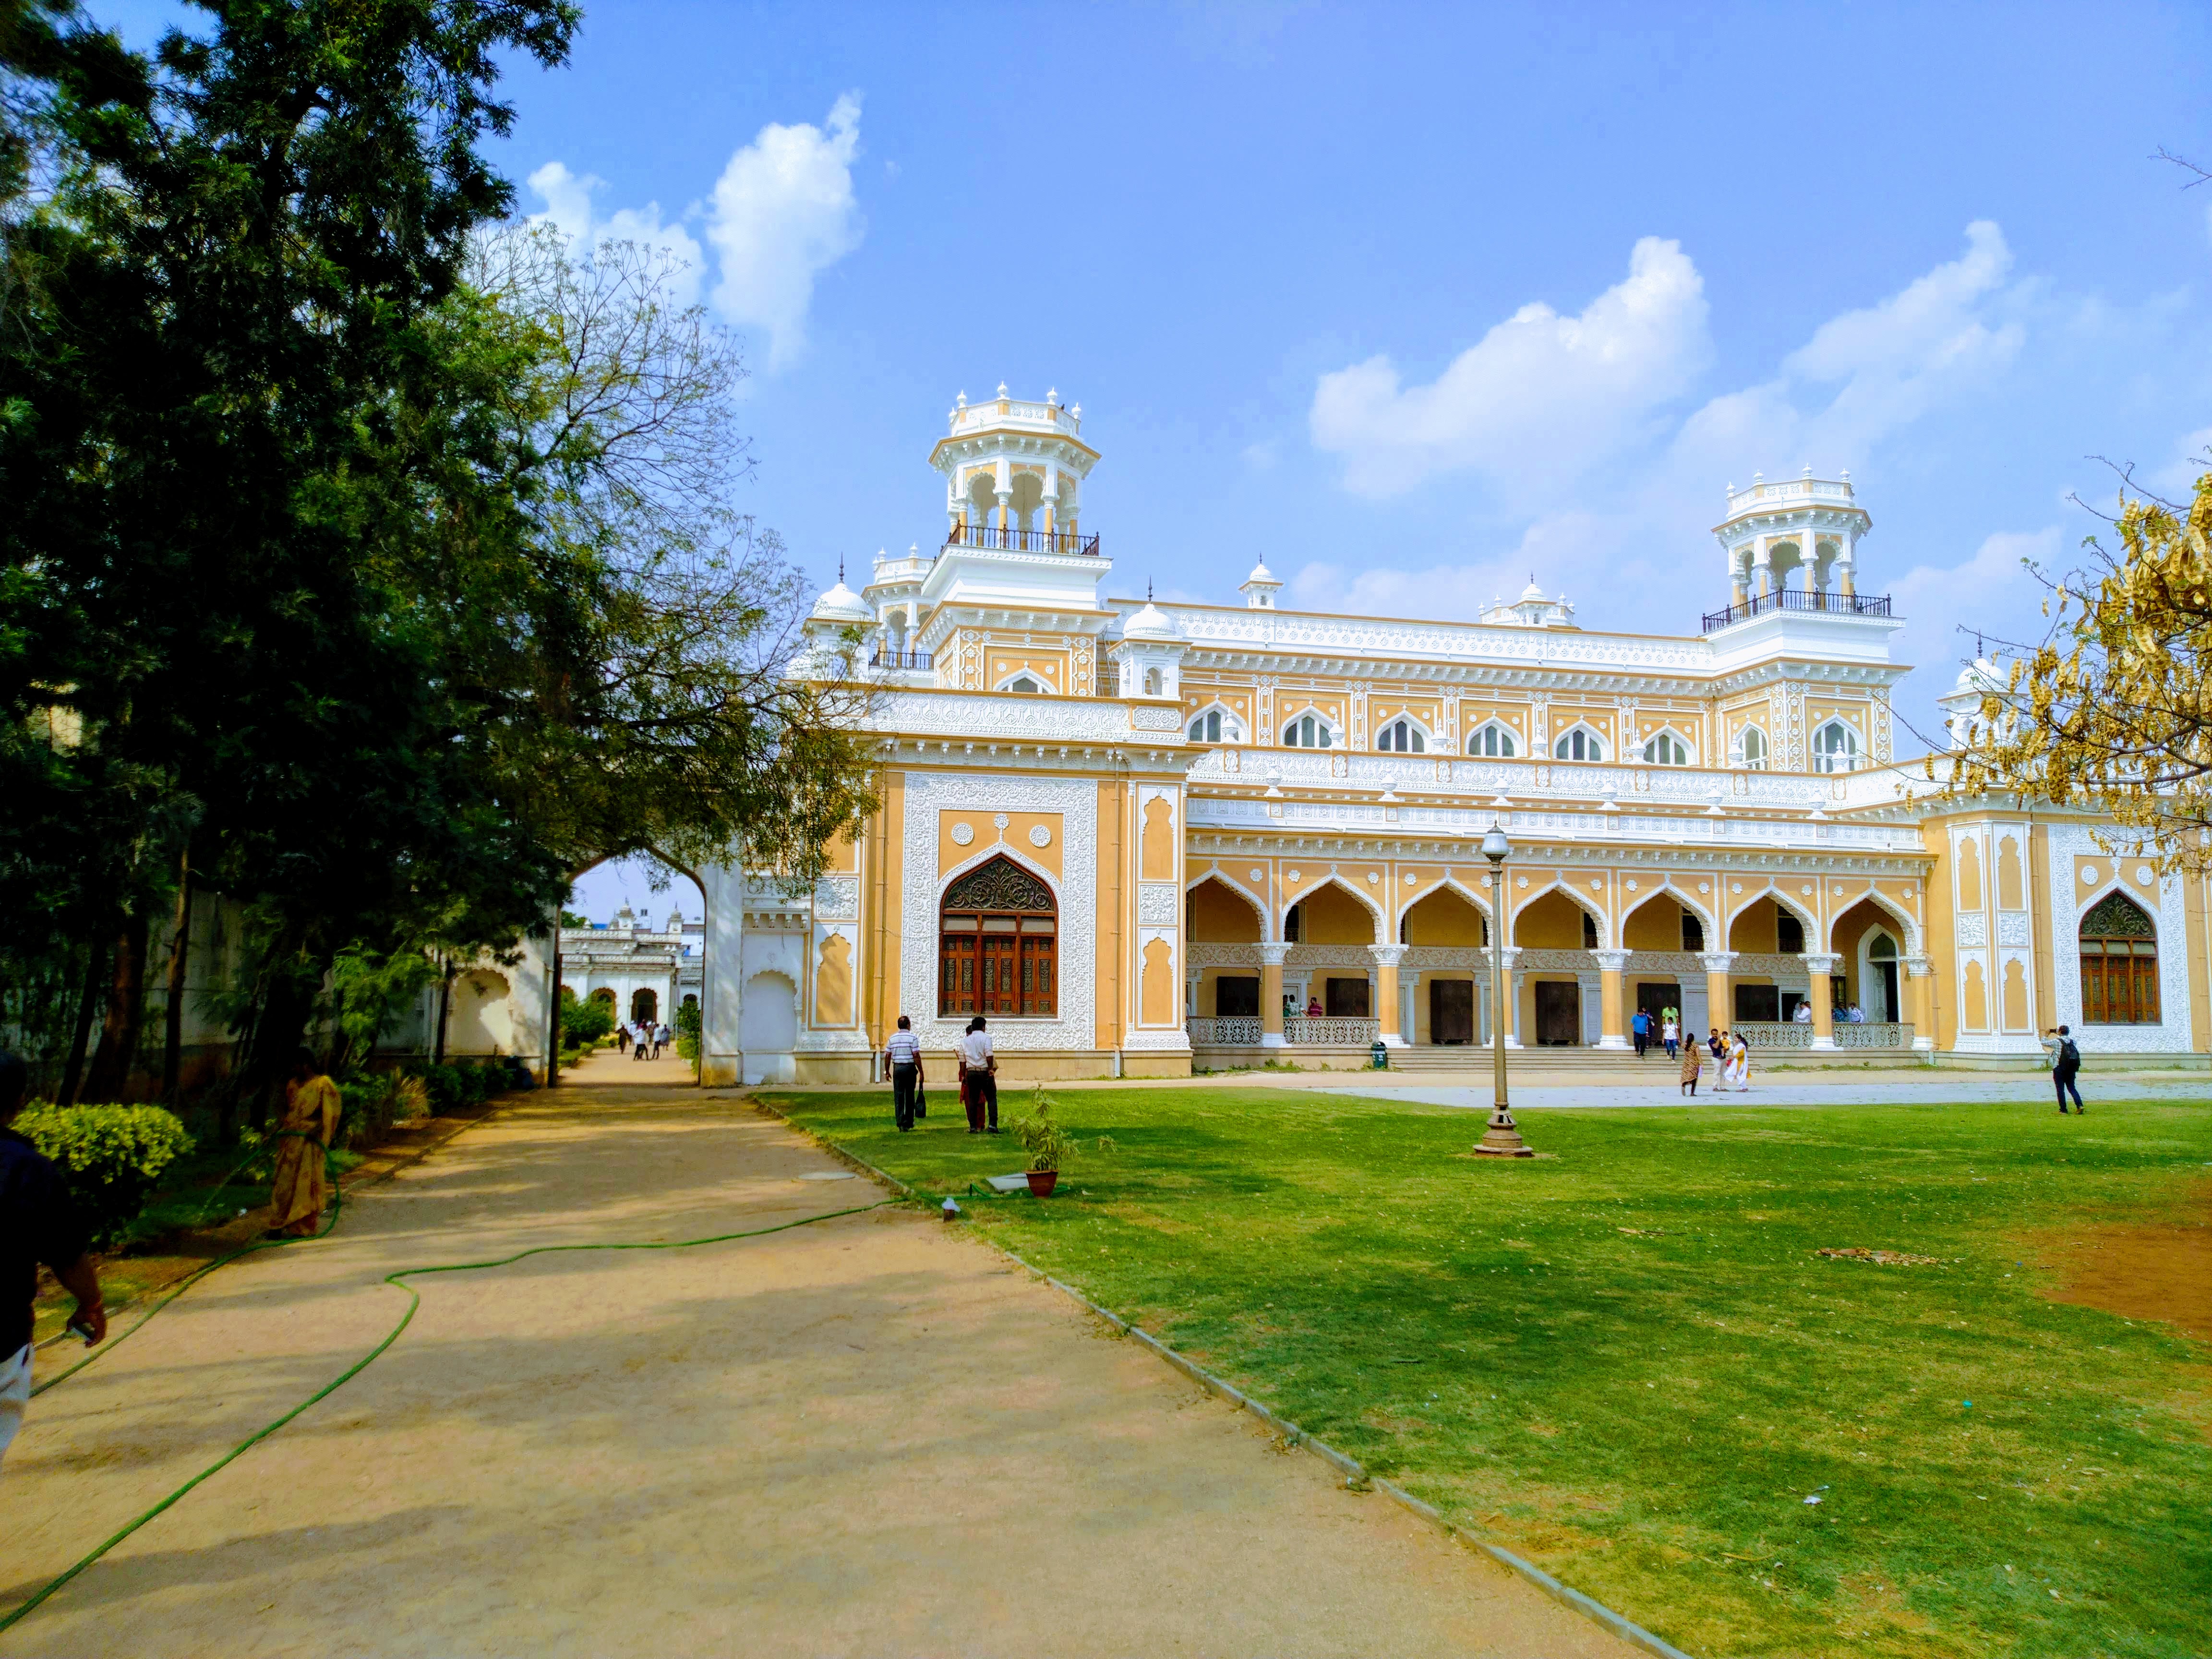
1531,592
841,604
1149,623
1979,676
1261,574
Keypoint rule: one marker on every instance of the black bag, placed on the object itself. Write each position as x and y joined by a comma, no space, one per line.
2069,1057
921,1102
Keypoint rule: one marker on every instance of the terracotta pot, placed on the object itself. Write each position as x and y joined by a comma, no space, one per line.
1041,1181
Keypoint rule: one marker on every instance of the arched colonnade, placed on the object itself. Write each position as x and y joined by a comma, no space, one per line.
1410,951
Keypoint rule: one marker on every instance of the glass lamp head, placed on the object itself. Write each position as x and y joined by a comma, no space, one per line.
1495,846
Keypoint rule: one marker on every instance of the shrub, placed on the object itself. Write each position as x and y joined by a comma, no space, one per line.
112,1156
586,1020
374,1104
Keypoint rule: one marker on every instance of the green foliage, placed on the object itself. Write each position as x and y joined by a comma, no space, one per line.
112,1155
1625,1360
373,1104
688,1024
584,1019
461,1083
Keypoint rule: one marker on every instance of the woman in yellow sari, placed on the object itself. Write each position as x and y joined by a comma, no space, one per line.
300,1189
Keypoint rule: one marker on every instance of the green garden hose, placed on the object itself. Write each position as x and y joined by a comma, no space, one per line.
414,1301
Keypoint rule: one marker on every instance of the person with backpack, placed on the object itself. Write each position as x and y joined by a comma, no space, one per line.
2065,1065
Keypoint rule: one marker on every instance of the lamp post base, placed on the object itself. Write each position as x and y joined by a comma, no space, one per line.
1502,1138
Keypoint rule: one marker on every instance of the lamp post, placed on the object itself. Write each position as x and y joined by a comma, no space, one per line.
1502,1138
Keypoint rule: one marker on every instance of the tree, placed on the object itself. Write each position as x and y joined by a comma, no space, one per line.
2114,708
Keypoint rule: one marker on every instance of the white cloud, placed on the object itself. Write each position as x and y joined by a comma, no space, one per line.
1988,591
2177,480
1460,592
1540,398
783,211
1946,333
568,207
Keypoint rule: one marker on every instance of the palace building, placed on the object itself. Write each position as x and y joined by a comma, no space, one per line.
1142,837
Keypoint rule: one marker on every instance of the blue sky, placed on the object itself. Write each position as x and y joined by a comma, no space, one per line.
1413,302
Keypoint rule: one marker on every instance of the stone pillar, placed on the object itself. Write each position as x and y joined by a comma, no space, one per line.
1387,958
1271,994
1818,968
1761,565
1613,1023
1920,1001
1846,552
1510,1013
1720,1006
1409,1006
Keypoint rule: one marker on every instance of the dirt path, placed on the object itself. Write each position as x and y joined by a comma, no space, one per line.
867,1436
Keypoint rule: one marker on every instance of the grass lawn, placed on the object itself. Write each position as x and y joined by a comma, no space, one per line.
1625,1360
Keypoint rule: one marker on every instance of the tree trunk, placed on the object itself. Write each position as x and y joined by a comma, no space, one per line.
553,1025
445,1008
172,1016
95,964
126,1017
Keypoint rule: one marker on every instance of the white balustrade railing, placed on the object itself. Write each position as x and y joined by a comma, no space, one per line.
1774,1033
1224,1031
1322,1030
1873,1034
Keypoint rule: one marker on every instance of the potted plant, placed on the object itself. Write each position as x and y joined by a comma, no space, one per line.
1045,1141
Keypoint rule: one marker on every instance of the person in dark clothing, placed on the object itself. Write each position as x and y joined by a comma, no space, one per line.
1640,1027
2065,1065
38,1222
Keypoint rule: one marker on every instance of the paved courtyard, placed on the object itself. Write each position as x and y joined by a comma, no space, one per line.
868,1435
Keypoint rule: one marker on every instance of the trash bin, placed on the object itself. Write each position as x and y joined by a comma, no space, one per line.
1378,1056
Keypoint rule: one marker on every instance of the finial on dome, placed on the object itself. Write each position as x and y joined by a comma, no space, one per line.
1809,469
1052,397
964,400
1002,388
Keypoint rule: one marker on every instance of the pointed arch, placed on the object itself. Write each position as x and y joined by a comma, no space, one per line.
1668,889
1796,907
1580,742
1215,874
1401,911
1588,907
1494,740
1383,932
983,855
1908,930
1309,728
1215,723
1404,734
1668,747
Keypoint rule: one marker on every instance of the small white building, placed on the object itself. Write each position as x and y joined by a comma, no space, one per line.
641,972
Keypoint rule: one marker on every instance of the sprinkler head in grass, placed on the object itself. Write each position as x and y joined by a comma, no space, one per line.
952,1210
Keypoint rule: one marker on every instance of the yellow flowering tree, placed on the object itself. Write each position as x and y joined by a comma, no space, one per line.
2113,710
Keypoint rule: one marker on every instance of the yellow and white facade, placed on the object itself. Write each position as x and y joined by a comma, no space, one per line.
1140,836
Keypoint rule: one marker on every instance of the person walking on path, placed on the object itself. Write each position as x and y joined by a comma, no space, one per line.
622,1038
979,1086
301,1186
1671,1034
903,1054
1641,1025
1739,1065
2065,1065
1693,1061
38,1222
640,1041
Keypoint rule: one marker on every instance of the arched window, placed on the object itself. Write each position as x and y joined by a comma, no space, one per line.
1580,745
1308,730
1665,749
644,1005
1023,683
2120,964
1754,750
998,945
1492,739
1152,682
1835,747
1401,737
1216,725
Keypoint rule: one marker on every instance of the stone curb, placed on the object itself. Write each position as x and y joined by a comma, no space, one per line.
1355,1473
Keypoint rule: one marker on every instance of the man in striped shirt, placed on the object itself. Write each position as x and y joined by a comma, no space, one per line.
903,1054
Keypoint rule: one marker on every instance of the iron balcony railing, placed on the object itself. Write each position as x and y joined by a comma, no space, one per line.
1802,599
883,658
1023,541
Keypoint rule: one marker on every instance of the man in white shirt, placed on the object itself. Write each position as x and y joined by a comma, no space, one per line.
902,1056
979,1086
